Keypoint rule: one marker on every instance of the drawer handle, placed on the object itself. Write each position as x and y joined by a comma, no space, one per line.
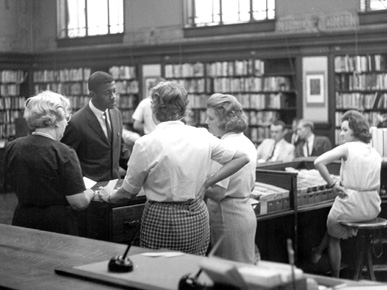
130,224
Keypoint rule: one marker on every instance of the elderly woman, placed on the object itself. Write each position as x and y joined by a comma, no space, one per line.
172,165
357,193
44,173
231,213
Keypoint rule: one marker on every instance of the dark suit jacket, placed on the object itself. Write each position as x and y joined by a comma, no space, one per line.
321,145
100,160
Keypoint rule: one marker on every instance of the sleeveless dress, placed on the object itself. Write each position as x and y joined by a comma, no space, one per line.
360,175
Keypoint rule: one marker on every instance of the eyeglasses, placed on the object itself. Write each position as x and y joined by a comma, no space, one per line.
68,118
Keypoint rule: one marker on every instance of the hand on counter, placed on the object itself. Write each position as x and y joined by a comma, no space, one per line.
105,192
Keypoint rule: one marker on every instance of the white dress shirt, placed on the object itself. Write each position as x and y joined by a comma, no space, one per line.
173,161
100,117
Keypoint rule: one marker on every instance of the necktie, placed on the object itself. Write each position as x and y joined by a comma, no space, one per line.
307,148
272,152
108,129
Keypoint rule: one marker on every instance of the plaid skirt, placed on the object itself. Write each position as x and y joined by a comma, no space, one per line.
176,226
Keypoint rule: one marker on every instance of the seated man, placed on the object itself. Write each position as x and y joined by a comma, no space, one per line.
276,148
310,144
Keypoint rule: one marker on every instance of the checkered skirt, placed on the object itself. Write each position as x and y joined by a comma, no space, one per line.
176,226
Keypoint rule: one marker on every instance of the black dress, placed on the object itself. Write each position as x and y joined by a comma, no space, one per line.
42,172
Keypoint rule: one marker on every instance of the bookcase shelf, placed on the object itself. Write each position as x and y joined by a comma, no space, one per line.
11,101
361,84
265,88
72,83
127,84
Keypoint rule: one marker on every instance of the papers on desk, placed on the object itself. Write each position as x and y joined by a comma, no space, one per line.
89,183
264,274
163,254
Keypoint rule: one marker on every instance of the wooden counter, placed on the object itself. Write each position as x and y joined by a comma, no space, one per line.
28,259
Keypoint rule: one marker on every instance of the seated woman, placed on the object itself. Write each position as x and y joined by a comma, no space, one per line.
45,173
172,165
231,213
358,192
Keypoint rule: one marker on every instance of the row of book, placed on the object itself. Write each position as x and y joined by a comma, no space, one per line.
371,117
184,70
127,87
7,130
12,76
253,67
225,68
266,84
361,101
127,102
363,82
12,103
250,101
66,89
9,89
361,63
8,116
62,75
379,140
123,72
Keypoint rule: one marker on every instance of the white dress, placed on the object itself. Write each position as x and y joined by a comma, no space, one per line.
360,175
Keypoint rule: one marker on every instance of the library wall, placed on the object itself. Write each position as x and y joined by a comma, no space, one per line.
150,22
15,29
294,7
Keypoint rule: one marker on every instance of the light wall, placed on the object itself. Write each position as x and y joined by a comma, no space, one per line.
30,25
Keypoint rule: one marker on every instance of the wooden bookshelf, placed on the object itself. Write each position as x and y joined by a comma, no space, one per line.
265,89
70,82
126,79
361,84
11,102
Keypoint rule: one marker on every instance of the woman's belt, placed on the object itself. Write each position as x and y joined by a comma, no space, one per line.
174,202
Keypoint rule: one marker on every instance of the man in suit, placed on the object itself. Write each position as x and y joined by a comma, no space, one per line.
95,131
276,148
310,144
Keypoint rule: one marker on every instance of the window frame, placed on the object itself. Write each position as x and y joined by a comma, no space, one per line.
81,39
365,6
189,16
254,26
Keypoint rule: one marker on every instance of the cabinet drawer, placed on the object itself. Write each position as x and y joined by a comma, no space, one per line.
126,223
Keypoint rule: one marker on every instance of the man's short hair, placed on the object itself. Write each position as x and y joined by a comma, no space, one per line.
307,123
279,123
98,78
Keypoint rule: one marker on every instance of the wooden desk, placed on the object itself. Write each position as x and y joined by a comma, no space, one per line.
29,257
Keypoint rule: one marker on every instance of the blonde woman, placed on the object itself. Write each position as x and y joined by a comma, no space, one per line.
231,213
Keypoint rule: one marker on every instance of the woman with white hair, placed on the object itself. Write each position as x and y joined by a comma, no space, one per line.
45,173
